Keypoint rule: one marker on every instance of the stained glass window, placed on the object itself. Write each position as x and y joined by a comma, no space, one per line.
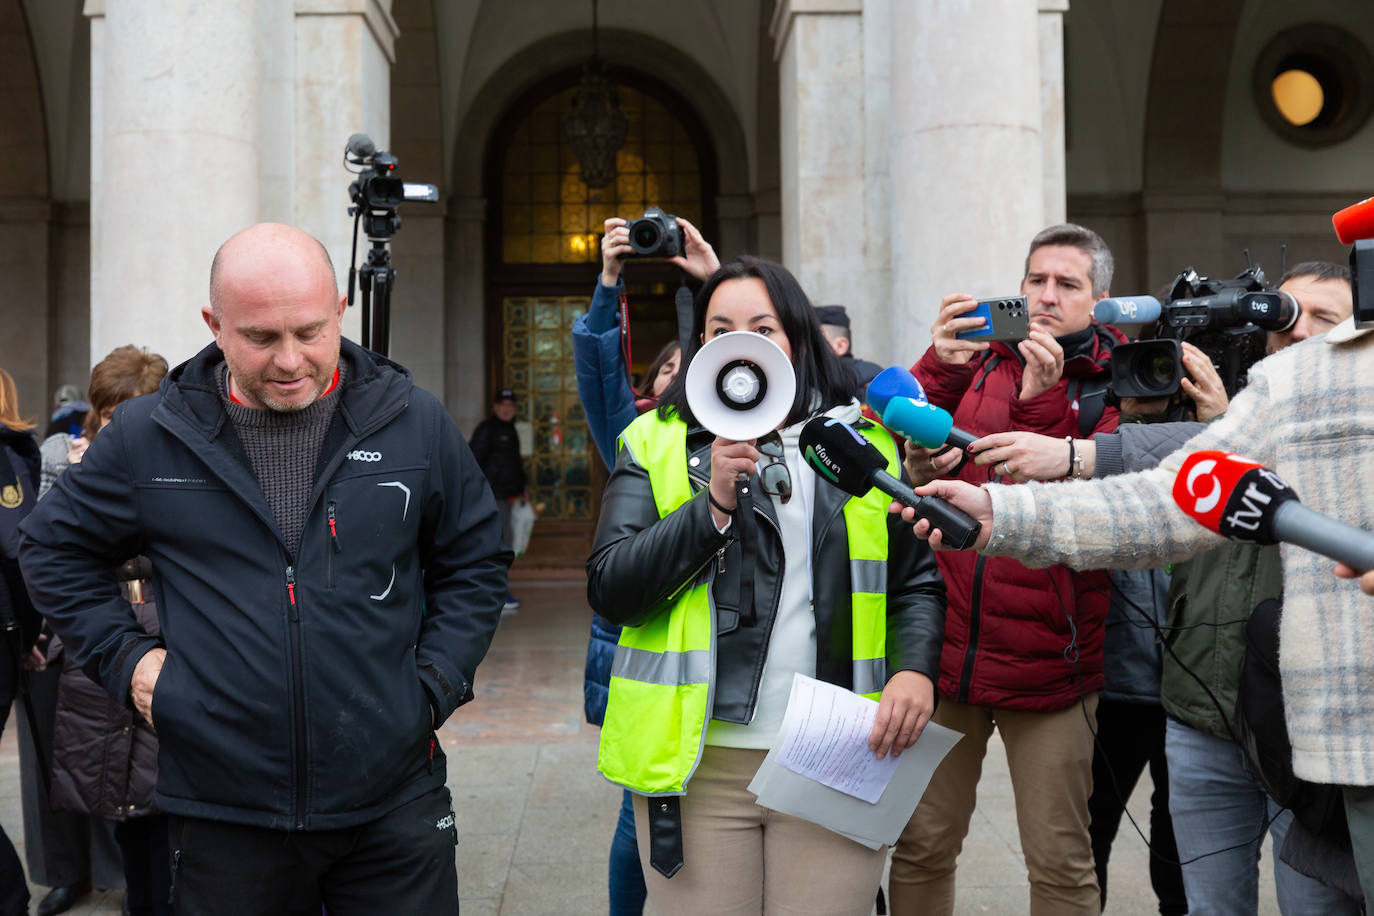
550,217
539,369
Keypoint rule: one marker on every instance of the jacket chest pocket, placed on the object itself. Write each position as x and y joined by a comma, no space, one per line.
371,525
185,511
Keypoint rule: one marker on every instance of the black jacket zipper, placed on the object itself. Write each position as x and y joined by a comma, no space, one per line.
975,615
293,615
333,543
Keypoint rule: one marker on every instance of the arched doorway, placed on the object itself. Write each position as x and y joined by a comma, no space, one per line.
543,257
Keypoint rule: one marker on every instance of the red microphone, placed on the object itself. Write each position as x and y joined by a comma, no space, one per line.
1243,500
1355,222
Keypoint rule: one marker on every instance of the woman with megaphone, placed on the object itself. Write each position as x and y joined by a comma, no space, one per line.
732,568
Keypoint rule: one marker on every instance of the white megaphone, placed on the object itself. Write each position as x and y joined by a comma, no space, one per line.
740,385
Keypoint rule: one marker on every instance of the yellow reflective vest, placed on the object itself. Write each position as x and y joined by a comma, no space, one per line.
661,681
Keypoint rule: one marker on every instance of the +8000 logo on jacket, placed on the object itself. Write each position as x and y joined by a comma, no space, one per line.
298,692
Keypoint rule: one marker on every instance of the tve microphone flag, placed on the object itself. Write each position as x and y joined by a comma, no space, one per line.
1243,500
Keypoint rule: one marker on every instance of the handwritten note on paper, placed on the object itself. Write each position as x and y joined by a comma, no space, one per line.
825,737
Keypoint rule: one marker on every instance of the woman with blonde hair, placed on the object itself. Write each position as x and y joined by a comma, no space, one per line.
18,488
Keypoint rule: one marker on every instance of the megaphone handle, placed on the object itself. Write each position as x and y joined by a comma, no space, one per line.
745,533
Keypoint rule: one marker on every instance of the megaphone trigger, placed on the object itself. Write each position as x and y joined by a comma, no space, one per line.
740,386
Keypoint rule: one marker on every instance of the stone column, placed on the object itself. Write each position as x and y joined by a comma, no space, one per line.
1052,107
343,52
818,45
966,154
174,123
465,392
26,332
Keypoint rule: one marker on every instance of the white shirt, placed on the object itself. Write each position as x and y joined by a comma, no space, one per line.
792,643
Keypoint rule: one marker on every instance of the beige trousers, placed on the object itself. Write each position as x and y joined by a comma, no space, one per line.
1050,758
739,858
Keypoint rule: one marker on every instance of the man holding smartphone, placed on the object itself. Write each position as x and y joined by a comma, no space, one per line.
1023,648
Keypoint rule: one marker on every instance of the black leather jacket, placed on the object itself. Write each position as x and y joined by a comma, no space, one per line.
640,563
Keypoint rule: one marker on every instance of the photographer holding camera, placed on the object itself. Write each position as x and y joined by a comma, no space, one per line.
1218,802
610,404
1022,650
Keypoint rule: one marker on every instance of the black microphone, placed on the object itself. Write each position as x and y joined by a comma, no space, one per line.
841,456
1245,501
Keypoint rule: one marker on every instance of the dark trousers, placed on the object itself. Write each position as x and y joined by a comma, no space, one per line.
14,890
1130,736
147,869
626,877
403,862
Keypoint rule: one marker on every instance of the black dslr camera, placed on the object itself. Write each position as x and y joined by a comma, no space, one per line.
1226,319
656,235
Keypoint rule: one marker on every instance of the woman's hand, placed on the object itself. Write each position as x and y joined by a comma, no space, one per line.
1202,384
973,500
1366,580
615,245
924,465
77,449
729,459
1023,455
948,323
698,258
905,708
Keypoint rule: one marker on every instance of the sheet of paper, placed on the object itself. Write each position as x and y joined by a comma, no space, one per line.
873,825
824,737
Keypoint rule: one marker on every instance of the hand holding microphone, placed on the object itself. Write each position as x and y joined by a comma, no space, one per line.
845,459
1245,501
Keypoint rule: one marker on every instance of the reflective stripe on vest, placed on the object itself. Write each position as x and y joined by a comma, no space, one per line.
865,521
662,678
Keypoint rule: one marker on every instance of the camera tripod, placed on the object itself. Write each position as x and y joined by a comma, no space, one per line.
376,279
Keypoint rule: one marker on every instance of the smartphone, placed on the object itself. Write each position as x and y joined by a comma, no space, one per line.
1003,319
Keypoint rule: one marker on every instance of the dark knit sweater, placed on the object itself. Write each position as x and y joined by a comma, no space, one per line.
283,449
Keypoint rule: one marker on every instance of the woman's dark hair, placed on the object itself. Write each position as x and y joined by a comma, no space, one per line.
818,370
646,381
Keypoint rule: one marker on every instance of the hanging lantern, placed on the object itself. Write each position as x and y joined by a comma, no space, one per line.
595,127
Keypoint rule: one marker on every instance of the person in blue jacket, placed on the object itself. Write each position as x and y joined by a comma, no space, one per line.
610,403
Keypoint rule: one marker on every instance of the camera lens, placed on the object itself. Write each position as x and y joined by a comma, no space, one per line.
645,235
1157,371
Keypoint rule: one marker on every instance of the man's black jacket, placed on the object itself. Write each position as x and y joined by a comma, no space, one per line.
496,445
299,692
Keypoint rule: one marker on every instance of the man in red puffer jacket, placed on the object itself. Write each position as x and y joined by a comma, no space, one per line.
1023,647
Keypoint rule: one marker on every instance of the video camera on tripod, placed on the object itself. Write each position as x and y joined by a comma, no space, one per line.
1226,319
376,194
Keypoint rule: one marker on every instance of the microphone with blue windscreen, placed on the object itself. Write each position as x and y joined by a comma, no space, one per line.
925,424
1127,310
892,382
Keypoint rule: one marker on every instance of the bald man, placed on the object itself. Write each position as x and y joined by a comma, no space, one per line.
329,574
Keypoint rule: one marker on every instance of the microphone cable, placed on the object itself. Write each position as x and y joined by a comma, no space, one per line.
1150,623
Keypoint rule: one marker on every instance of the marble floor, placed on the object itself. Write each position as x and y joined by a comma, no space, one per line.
535,819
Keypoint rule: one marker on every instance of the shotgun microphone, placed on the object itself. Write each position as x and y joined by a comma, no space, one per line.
1245,501
844,458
